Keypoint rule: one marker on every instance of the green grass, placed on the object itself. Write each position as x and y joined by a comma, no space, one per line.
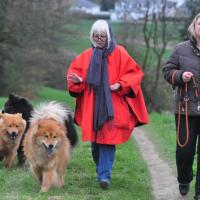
50,94
161,131
130,177
2,101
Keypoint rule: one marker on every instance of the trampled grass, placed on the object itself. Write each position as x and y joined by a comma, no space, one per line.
130,180
161,131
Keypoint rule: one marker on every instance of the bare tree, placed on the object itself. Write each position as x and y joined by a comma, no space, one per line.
159,46
155,38
147,33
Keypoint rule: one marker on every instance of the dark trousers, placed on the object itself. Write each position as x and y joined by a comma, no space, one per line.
185,155
103,156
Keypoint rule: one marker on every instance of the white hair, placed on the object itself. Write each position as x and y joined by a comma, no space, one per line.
100,26
50,110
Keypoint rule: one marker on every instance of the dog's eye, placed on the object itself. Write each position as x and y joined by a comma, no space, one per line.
54,136
10,126
46,136
17,126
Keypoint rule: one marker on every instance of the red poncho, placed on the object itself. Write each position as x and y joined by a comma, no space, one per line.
128,111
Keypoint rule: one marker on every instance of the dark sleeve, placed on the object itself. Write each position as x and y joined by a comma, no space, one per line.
171,69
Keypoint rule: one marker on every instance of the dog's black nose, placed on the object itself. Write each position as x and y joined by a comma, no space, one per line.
13,134
50,146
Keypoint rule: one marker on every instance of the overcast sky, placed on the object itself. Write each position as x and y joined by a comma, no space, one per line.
179,1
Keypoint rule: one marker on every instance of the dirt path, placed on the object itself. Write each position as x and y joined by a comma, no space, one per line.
164,183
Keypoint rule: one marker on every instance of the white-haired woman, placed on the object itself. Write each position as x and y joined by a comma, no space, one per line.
183,72
109,103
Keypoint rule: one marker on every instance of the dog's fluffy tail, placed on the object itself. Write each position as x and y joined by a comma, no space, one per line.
71,133
60,113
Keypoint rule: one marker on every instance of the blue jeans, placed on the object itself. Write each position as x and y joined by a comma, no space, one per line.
103,156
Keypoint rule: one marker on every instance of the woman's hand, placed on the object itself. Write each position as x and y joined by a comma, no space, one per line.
186,76
115,87
74,78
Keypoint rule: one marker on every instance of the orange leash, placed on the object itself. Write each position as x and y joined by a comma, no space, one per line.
186,99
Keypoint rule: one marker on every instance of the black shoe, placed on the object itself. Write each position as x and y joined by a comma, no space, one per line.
104,185
184,189
197,197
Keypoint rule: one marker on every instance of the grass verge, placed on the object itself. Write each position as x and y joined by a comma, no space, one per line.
131,179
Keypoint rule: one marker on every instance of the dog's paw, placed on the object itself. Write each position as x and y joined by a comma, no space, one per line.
60,184
7,164
44,189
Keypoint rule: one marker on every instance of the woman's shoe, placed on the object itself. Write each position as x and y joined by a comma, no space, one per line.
197,197
184,189
104,184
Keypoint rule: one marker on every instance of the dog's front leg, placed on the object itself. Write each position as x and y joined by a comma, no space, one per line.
8,159
60,173
47,179
37,172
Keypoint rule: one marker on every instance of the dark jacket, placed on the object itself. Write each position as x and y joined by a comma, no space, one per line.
184,58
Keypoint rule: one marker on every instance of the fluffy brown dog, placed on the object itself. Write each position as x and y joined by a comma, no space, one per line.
46,145
12,127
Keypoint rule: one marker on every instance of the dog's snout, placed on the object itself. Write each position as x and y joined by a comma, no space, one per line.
13,134
50,146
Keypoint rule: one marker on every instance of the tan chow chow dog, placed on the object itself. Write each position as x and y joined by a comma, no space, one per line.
46,145
12,127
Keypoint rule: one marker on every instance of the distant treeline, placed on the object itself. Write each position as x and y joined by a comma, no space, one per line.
32,48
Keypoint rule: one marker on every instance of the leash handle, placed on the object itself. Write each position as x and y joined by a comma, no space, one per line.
185,108
186,99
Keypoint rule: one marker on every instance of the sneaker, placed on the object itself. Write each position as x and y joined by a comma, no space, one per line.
184,189
104,184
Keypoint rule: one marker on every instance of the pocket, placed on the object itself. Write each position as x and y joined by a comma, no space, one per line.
122,116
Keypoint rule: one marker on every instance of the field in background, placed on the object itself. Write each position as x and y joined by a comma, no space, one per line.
136,46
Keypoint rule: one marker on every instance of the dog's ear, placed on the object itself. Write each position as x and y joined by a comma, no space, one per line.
1,114
39,122
1,121
30,134
23,101
33,129
62,128
24,125
19,114
11,95
62,131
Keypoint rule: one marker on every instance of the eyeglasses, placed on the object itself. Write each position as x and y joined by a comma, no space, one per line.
100,37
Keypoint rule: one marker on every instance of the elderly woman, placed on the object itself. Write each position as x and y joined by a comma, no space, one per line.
183,72
109,103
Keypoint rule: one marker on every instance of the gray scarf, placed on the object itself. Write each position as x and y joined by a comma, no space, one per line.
97,78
